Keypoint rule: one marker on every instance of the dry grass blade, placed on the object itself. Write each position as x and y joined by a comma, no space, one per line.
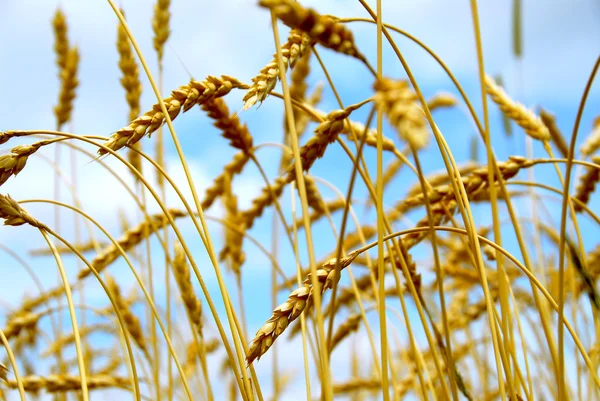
525,118
298,301
184,98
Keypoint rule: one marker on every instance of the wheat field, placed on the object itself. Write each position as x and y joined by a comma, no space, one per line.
299,200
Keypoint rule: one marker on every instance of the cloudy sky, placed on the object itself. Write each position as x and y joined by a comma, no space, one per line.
234,37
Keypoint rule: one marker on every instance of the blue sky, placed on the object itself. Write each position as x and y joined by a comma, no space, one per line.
233,37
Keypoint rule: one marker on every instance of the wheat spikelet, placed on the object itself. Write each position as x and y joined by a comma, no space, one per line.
160,26
332,206
12,163
262,85
63,249
266,198
128,240
401,106
14,215
325,134
184,98
356,384
237,133
21,322
132,85
234,240
324,30
587,185
557,137
524,117
64,383
298,301
132,323
235,166
441,100
344,330
181,271
61,40
592,142
313,196
65,340
474,183
69,82
441,177
302,119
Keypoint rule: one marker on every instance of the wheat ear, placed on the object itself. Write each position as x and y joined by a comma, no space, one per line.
262,85
181,271
64,383
160,26
400,104
525,118
14,215
130,81
232,129
130,239
587,185
322,29
184,98
298,301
